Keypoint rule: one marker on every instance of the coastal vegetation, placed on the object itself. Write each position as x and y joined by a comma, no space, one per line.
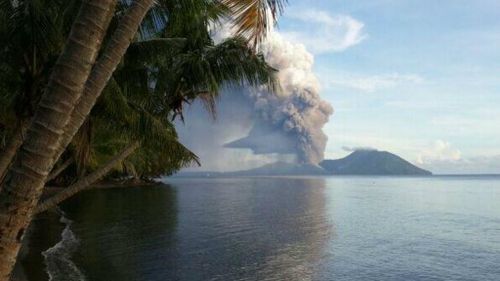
89,89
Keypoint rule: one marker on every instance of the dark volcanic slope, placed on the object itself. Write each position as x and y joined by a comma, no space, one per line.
362,162
281,169
273,169
372,162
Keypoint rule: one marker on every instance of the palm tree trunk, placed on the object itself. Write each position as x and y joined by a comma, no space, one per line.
104,68
26,177
60,169
10,151
87,181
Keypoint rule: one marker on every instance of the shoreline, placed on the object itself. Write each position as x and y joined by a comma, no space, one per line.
19,273
49,190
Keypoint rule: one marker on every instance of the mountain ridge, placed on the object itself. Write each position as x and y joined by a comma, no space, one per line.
360,162
372,162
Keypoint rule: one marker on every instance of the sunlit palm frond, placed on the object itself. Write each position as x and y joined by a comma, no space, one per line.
251,18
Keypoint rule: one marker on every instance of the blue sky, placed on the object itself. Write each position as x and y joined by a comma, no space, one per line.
417,78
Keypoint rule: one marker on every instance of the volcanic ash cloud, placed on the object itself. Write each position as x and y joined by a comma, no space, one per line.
291,121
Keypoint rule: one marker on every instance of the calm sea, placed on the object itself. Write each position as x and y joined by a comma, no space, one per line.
336,228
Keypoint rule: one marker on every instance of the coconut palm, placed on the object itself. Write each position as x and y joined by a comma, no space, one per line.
75,82
198,35
253,27
149,89
26,177
31,39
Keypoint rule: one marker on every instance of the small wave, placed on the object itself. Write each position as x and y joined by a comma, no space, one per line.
59,265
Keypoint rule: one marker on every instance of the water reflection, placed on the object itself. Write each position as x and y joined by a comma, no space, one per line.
251,229
220,229
310,232
123,233
281,229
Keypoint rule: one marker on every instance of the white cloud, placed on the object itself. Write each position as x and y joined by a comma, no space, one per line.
321,32
442,158
438,151
372,83
470,165
357,148
479,165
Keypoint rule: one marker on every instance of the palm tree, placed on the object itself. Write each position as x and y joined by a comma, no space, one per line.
31,40
148,89
175,82
250,17
26,177
74,85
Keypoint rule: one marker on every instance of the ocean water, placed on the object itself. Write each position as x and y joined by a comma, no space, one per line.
317,228
58,258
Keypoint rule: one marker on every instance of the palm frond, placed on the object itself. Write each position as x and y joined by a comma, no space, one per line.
202,73
169,17
251,17
153,51
121,120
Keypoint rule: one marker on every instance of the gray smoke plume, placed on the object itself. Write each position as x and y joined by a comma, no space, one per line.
266,127
290,122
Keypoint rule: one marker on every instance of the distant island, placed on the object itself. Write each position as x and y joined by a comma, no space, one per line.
360,162
372,162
